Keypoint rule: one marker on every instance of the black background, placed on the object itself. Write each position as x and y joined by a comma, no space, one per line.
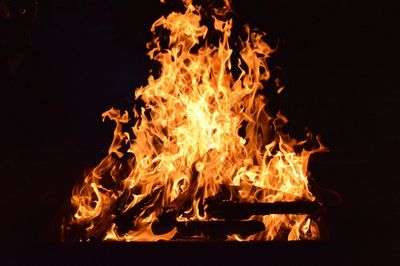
88,56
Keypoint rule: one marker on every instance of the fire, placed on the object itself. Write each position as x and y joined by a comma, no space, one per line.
203,134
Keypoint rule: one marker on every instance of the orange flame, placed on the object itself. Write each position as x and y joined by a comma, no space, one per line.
186,139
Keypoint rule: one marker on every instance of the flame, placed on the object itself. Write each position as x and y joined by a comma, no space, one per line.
186,141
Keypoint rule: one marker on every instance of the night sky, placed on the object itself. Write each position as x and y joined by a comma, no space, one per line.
87,56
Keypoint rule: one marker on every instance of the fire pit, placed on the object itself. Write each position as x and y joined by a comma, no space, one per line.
202,159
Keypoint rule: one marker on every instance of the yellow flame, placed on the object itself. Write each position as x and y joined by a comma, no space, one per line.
191,120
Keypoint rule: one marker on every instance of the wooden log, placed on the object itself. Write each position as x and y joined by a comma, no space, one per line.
181,203
124,220
209,229
232,193
218,229
243,210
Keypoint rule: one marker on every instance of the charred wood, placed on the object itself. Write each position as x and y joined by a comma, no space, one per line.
210,229
124,220
181,203
244,210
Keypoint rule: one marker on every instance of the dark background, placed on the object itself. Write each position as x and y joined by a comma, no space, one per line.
87,56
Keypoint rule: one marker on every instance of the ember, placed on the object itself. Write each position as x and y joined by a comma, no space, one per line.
203,158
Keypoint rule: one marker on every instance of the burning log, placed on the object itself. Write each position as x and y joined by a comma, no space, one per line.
181,203
211,229
233,193
124,220
98,228
218,229
244,210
